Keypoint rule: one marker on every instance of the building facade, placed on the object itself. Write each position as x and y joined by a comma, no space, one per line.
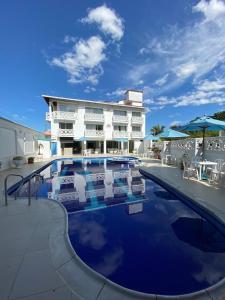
99,127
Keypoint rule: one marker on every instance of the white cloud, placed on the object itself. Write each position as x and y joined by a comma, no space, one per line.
211,9
67,39
185,53
108,21
162,80
186,70
117,93
175,123
89,89
205,92
83,62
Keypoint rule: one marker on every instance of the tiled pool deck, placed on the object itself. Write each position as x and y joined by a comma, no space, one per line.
36,261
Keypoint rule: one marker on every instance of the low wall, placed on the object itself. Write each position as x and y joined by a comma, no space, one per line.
214,148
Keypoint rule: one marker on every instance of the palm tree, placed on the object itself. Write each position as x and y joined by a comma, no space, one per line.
157,129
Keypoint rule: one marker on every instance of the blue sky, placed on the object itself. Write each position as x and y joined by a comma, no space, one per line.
173,50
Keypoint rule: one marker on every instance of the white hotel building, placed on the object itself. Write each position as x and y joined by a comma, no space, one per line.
100,127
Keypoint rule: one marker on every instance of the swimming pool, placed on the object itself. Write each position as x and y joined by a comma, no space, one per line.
132,230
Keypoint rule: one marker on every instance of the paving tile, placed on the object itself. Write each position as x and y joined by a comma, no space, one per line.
62,293
13,247
35,275
8,270
110,292
83,282
60,250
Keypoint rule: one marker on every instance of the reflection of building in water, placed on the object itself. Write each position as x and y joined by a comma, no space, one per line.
74,182
134,208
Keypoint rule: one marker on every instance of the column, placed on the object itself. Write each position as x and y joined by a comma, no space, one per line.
105,147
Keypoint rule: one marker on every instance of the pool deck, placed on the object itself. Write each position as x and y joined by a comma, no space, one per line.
37,262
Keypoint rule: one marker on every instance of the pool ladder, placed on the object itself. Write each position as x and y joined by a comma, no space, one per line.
20,185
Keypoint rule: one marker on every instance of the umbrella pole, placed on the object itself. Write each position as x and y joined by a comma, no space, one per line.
203,145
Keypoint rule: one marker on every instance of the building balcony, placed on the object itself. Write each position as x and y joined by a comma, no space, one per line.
137,135
94,117
120,119
66,133
120,134
137,120
62,115
94,133
48,116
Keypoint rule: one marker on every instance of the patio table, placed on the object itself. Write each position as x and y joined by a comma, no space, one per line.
202,165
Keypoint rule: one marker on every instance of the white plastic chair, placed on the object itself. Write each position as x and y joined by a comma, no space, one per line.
190,170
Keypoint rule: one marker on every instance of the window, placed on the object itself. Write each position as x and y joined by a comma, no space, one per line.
136,114
94,127
91,110
69,108
119,113
66,125
120,128
136,128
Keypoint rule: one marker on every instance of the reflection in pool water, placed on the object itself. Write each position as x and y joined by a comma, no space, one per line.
133,231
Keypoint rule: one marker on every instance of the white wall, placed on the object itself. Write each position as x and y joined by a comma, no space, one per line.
16,140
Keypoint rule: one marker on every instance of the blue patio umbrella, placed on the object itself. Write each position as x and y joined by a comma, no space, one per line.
204,123
151,137
170,133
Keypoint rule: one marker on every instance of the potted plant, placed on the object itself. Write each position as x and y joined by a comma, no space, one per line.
18,161
156,152
30,160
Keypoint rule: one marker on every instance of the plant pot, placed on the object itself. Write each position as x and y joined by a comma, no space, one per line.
30,160
18,163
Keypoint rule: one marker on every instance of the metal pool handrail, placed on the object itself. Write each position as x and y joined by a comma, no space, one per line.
5,185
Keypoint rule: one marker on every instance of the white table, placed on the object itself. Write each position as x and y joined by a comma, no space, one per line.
203,164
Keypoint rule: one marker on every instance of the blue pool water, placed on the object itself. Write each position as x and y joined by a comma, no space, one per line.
132,230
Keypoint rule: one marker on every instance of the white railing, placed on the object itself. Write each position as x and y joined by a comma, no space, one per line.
94,133
66,132
97,193
137,120
138,187
95,177
137,134
121,174
47,116
120,119
64,115
120,134
94,117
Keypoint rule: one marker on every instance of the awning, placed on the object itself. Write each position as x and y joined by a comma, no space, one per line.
121,140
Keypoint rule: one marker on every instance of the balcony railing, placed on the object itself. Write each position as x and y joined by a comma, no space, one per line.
94,133
120,134
137,120
66,133
137,134
48,116
64,115
120,119
94,117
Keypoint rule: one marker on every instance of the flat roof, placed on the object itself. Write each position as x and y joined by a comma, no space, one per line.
16,123
49,97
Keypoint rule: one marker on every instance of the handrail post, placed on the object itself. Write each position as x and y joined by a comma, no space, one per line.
29,190
5,185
